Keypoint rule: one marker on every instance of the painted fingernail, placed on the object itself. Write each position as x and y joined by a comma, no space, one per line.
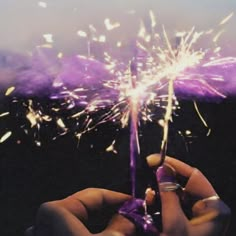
166,179
165,174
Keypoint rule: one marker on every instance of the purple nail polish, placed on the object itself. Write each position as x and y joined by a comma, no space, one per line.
165,174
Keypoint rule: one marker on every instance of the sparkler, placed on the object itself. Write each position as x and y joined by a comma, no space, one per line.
81,86
134,142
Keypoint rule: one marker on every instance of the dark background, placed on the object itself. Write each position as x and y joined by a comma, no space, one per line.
31,175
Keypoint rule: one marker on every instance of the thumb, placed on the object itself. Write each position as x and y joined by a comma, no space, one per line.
173,218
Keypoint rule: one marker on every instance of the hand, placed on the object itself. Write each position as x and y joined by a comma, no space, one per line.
210,214
69,216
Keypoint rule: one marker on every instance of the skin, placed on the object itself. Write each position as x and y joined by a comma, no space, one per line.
211,217
68,217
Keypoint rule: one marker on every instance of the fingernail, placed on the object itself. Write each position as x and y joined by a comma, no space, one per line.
166,179
165,174
198,207
153,160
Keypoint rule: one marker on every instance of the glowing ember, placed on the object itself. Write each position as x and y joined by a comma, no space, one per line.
4,114
9,91
60,55
111,148
36,117
82,34
5,136
48,38
226,19
109,25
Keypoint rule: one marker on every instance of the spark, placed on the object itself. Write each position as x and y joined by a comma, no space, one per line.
153,19
111,148
119,44
216,38
209,132
218,49
5,136
92,29
48,38
36,117
60,55
200,116
142,30
82,34
61,124
109,25
224,62
210,31
9,91
38,143
102,39
227,18
188,132
4,114
45,46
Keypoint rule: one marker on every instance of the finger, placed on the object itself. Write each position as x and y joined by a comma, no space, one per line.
209,209
88,200
112,198
120,225
197,184
173,218
206,211
150,196
180,167
95,198
211,217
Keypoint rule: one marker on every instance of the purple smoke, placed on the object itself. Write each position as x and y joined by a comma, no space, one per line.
44,74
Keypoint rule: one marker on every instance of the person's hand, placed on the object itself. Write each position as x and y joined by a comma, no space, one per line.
70,216
210,215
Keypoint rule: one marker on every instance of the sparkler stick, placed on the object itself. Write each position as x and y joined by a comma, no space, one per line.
134,145
134,142
169,107
166,120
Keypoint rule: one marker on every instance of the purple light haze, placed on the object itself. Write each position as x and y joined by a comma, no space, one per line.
40,73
